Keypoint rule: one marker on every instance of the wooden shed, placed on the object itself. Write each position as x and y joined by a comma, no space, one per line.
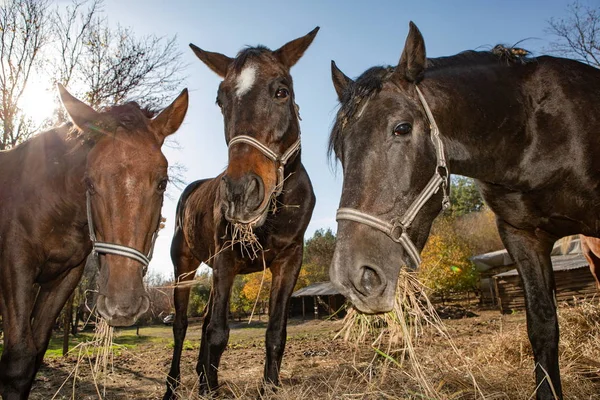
571,273
497,262
318,299
488,265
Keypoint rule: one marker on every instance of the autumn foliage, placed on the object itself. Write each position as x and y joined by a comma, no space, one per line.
446,267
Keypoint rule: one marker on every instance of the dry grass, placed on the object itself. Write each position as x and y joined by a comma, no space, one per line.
98,354
412,345
395,338
510,351
494,348
407,354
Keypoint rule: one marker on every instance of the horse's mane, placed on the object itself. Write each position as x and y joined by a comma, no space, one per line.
371,81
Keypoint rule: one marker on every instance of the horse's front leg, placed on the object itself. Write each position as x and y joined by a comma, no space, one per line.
17,365
215,333
284,269
531,251
48,304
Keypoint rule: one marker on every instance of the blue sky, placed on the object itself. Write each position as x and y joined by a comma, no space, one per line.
357,35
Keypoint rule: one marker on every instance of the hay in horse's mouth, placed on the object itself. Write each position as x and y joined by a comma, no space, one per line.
244,235
394,335
247,239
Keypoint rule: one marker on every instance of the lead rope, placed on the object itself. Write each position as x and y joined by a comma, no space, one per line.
397,227
117,249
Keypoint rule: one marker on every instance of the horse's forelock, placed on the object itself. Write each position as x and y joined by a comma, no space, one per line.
130,116
248,54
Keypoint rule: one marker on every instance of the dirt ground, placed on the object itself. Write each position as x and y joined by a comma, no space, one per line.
493,348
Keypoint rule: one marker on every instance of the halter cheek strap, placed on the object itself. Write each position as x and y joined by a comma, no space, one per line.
117,249
397,227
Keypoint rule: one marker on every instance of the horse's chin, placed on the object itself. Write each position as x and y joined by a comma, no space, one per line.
254,221
379,305
121,321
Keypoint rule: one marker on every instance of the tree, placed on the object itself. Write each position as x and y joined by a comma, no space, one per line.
318,253
199,294
160,294
464,196
319,248
577,35
240,304
24,32
446,267
479,230
256,286
76,45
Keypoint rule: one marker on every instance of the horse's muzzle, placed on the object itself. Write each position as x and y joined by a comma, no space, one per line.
119,313
242,199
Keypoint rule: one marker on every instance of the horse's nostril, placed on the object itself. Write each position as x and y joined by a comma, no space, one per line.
370,280
254,192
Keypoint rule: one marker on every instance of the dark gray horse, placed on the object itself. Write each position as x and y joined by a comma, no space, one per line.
525,128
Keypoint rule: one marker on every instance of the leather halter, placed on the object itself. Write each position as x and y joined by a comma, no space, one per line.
117,249
397,227
279,160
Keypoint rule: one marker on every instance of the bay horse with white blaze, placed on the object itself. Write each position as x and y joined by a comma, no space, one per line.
265,189
92,186
524,128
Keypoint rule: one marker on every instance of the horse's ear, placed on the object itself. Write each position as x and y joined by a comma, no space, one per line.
340,81
80,113
218,62
290,53
171,118
413,60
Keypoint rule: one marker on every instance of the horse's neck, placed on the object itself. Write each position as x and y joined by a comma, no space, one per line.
59,169
483,129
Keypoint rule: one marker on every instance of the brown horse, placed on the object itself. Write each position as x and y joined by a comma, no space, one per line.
264,189
590,246
525,128
94,185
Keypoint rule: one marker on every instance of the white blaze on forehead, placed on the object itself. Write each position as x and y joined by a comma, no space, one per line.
129,184
245,80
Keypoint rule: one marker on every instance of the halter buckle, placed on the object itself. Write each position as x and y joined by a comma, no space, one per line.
443,172
396,231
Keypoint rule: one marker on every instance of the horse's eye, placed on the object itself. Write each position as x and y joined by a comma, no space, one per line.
162,186
89,185
218,102
282,93
403,128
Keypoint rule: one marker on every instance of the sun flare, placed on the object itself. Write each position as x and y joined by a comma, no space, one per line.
38,102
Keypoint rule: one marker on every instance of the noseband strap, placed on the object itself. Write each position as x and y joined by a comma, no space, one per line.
117,249
279,160
397,227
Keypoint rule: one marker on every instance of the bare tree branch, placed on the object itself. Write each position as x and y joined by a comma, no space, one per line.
76,46
23,27
577,35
